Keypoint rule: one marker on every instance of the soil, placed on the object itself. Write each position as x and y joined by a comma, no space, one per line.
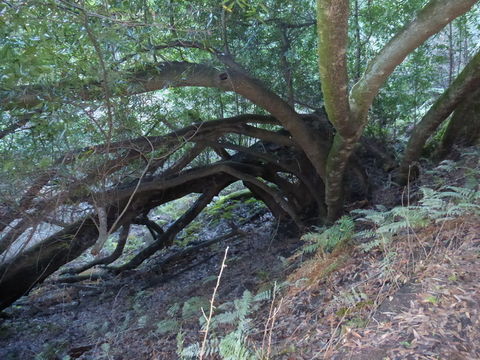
423,303
117,318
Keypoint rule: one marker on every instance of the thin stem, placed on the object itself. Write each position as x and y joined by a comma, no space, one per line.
208,318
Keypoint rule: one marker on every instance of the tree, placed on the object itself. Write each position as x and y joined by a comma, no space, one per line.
94,100
349,112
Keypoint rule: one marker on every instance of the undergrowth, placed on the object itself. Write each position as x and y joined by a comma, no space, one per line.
379,228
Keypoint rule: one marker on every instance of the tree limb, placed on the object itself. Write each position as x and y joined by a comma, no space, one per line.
465,83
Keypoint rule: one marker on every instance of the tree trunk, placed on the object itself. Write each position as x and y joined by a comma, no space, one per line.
465,83
464,126
32,266
349,114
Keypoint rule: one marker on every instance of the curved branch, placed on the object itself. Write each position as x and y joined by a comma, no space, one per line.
169,236
178,74
135,148
465,83
430,20
283,203
464,127
122,240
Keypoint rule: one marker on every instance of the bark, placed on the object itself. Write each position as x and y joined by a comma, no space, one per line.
20,274
36,263
181,74
155,229
464,126
296,165
274,194
183,161
134,149
169,236
332,17
349,114
122,240
433,17
268,200
465,83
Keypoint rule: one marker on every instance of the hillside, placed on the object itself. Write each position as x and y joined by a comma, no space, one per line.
393,283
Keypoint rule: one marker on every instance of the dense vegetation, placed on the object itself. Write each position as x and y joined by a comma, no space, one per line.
111,109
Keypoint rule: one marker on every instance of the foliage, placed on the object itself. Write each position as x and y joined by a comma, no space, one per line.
167,326
435,205
234,344
192,306
326,239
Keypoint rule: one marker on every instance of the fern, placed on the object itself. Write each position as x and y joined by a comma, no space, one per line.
449,202
328,239
167,326
233,346
445,166
242,308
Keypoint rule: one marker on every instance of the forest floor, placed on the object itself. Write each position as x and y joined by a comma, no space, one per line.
415,297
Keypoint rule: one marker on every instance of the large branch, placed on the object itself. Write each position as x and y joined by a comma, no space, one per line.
178,74
75,192
350,117
332,20
465,83
168,237
430,20
20,273
464,127
134,149
122,240
293,168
